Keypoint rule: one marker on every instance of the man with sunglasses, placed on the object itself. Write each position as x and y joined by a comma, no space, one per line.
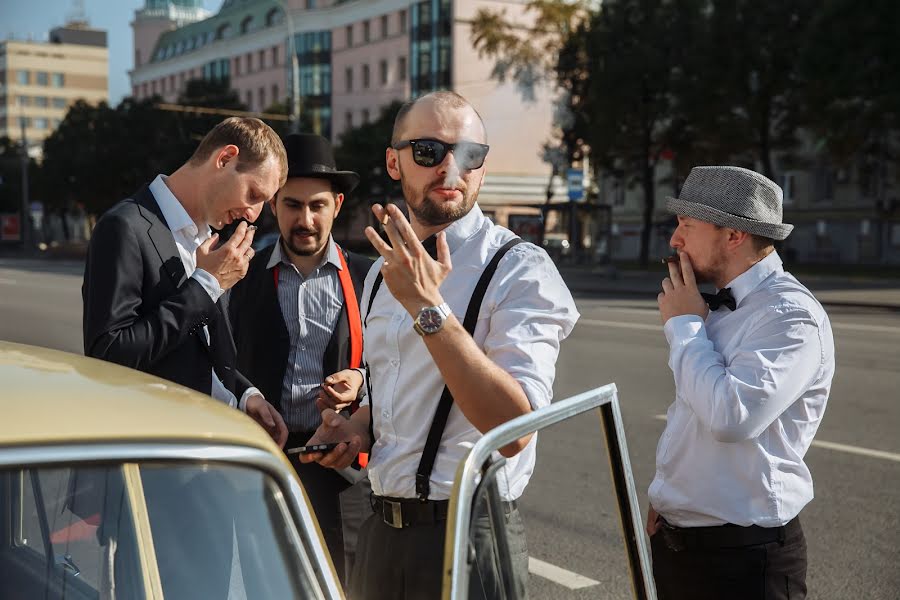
436,388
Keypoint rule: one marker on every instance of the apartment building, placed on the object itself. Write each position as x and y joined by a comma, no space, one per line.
40,80
355,57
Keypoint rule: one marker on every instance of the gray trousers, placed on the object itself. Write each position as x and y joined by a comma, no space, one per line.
408,564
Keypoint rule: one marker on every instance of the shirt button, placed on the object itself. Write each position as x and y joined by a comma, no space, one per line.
395,363
398,317
386,414
303,348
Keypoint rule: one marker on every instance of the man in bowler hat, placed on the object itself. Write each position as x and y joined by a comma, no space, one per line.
296,320
753,366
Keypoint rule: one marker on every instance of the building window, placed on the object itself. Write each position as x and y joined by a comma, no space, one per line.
383,72
348,120
366,32
262,59
262,99
237,66
401,68
246,24
365,77
275,96
310,4
788,187
365,116
59,80
40,123
24,122
42,78
349,34
384,26
348,77
249,62
273,17
23,101
249,97
403,19
41,101
274,56
223,31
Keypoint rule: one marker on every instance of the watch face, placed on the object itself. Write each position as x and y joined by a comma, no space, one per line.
430,320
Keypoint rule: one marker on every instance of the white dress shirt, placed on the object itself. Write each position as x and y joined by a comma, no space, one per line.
527,311
751,387
188,237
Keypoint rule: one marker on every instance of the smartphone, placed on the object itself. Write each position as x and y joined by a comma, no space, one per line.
312,448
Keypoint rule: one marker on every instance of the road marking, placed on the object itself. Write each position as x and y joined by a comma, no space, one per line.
7,281
568,579
841,447
861,327
641,326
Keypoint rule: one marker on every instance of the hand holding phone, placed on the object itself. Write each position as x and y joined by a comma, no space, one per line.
312,448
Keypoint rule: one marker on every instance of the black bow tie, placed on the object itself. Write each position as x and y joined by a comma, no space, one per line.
723,298
430,245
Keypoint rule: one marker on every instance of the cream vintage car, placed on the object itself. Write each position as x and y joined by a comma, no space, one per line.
115,484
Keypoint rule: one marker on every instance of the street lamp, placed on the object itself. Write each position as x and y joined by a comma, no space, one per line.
295,69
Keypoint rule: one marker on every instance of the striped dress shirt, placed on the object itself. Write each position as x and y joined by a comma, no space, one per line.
310,307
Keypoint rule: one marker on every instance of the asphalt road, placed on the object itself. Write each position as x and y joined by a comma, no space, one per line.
571,517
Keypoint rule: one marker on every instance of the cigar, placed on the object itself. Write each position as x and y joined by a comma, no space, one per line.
673,258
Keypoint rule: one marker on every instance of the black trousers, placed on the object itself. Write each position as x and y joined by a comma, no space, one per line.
323,486
408,564
711,568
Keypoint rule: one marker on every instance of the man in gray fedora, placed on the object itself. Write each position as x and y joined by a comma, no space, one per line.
753,365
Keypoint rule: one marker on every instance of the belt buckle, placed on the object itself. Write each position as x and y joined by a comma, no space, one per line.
671,537
395,518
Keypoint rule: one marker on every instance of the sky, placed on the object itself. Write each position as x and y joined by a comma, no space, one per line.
35,18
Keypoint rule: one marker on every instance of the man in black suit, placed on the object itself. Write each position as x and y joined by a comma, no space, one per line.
153,278
296,321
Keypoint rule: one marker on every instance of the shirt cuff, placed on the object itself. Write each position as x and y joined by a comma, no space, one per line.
209,283
363,389
242,405
683,328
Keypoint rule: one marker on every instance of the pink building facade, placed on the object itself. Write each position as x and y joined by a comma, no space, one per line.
355,57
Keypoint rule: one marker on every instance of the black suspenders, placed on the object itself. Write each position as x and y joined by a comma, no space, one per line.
433,442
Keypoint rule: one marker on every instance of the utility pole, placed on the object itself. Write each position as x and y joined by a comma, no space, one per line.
295,69
25,220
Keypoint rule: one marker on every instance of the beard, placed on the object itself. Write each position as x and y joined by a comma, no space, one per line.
712,272
316,242
432,213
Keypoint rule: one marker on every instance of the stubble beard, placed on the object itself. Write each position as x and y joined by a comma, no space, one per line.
430,213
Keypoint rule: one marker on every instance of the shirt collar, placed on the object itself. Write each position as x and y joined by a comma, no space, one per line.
749,280
331,257
177,218
462,229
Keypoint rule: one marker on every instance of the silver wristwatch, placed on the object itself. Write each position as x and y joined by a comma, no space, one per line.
431,319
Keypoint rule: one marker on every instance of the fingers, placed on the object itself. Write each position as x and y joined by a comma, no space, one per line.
207,246
390,228
675,273
281,432
238,236
687,270
667,285
443,251
407,236
379,244
244,246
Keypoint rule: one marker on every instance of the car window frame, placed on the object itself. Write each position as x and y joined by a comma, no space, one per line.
305,537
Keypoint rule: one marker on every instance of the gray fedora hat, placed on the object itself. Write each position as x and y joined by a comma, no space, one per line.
732,197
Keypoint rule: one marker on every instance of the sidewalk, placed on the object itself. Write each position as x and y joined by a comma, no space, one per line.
832,291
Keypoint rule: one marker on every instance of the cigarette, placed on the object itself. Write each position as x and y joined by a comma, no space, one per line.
670,259
252,228
385,219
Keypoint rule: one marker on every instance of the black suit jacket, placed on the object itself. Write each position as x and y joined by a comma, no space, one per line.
141,311
260,335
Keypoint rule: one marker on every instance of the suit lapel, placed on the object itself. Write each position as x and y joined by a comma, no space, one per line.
161,236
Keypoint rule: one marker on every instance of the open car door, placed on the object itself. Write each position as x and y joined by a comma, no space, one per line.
476,489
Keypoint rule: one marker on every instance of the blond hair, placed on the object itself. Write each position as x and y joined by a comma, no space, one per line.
255,140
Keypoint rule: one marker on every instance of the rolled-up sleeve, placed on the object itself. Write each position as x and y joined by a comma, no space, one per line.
530,312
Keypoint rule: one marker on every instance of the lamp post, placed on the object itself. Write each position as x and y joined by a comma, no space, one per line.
25,225
295,69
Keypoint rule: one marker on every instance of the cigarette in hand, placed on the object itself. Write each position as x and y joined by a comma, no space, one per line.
385,218
251,228
670,259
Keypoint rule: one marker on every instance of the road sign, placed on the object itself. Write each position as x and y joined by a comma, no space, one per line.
575,177
9,228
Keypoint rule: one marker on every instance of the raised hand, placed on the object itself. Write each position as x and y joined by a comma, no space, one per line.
339,390
680,295
412,276
228,263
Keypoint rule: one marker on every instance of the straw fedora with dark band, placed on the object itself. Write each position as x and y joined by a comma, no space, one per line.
732,197
310,155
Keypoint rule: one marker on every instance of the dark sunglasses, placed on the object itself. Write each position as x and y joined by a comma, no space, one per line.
431,153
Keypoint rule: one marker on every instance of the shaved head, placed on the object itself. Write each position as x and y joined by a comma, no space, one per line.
437,100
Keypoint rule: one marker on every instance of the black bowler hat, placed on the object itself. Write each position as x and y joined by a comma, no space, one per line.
310,155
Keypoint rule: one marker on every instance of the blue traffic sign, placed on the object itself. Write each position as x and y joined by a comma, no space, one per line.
575,178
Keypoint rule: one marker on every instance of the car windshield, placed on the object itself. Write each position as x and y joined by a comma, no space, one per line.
214,530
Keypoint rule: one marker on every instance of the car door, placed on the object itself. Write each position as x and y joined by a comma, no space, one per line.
476,494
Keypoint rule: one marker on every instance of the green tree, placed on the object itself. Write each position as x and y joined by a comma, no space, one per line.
11,175
362,149
635,52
